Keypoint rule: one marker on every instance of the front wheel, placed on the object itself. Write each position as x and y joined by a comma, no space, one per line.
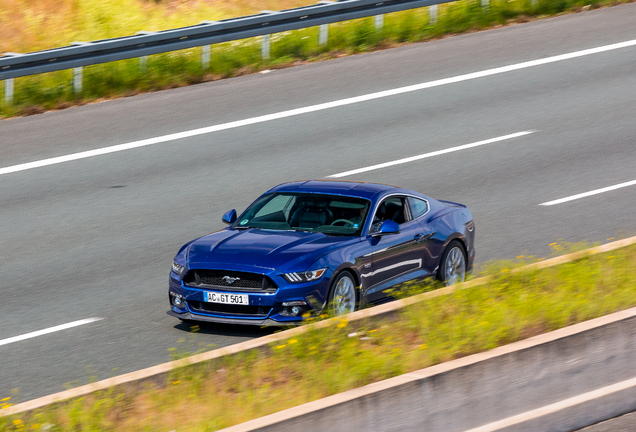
453,265
342,297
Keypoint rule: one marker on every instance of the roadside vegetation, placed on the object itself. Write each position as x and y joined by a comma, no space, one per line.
516,304
27,26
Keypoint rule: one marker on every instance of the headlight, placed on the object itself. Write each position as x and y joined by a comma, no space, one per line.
178,268
306,276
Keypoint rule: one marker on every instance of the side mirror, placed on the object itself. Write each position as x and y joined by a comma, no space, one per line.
229,217
388,227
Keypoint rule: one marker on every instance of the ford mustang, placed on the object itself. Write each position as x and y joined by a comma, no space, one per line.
310,247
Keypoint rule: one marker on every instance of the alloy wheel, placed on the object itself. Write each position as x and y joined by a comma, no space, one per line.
344,296
454,266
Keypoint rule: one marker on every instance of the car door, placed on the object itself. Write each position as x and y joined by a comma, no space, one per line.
428,247
395,257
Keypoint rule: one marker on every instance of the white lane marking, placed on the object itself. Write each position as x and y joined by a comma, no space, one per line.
431,154
313,108
555,407
48,330
587,194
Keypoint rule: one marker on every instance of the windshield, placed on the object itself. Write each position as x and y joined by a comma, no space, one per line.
329,214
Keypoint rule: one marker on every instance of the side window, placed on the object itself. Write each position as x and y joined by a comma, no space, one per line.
391,208
418,207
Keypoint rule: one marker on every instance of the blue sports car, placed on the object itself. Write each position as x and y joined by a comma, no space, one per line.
307,247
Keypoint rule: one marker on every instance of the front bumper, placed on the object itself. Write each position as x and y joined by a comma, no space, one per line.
187,316
264,307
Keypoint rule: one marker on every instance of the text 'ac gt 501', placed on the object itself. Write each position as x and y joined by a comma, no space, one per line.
307,247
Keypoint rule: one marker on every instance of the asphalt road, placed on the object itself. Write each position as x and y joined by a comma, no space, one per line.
95,237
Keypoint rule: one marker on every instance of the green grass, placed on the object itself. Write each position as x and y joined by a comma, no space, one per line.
516,304
35,94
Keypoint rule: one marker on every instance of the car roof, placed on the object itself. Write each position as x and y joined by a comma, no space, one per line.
337,187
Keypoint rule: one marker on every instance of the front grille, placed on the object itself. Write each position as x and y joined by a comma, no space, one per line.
230,309
222,280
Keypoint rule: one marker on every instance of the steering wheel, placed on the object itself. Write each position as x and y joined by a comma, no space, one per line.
347,223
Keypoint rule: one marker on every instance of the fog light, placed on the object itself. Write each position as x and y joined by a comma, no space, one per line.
176,299
294,308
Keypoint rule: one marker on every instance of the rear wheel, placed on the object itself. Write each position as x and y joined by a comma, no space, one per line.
452,268
342,297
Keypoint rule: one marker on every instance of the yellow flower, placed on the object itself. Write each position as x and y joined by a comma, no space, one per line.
281,346
343,323
521,256
423,346
5,399
292,341
176,382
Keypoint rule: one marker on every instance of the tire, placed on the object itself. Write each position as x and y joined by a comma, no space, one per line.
452,267
343,295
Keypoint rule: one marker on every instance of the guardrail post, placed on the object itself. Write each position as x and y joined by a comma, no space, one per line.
143,64
143,61
205,56
205,50
265,47
432,14
8,91
323,34
378,21
77,80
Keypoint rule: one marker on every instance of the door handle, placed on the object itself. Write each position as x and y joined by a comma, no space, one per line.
421,237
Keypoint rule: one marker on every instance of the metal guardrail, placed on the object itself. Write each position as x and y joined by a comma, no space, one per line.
78,54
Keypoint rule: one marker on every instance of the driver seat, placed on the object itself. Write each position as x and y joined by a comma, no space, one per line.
310,215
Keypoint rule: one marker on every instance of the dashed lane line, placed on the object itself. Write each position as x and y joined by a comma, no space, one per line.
590,193
431,154
47,331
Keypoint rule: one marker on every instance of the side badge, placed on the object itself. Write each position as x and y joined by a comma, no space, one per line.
244,221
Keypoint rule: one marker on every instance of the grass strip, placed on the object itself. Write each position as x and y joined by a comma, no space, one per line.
54,90
516,304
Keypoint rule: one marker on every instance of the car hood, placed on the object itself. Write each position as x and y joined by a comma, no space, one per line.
283,251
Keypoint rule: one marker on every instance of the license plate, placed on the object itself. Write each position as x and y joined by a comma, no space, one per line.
239,299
